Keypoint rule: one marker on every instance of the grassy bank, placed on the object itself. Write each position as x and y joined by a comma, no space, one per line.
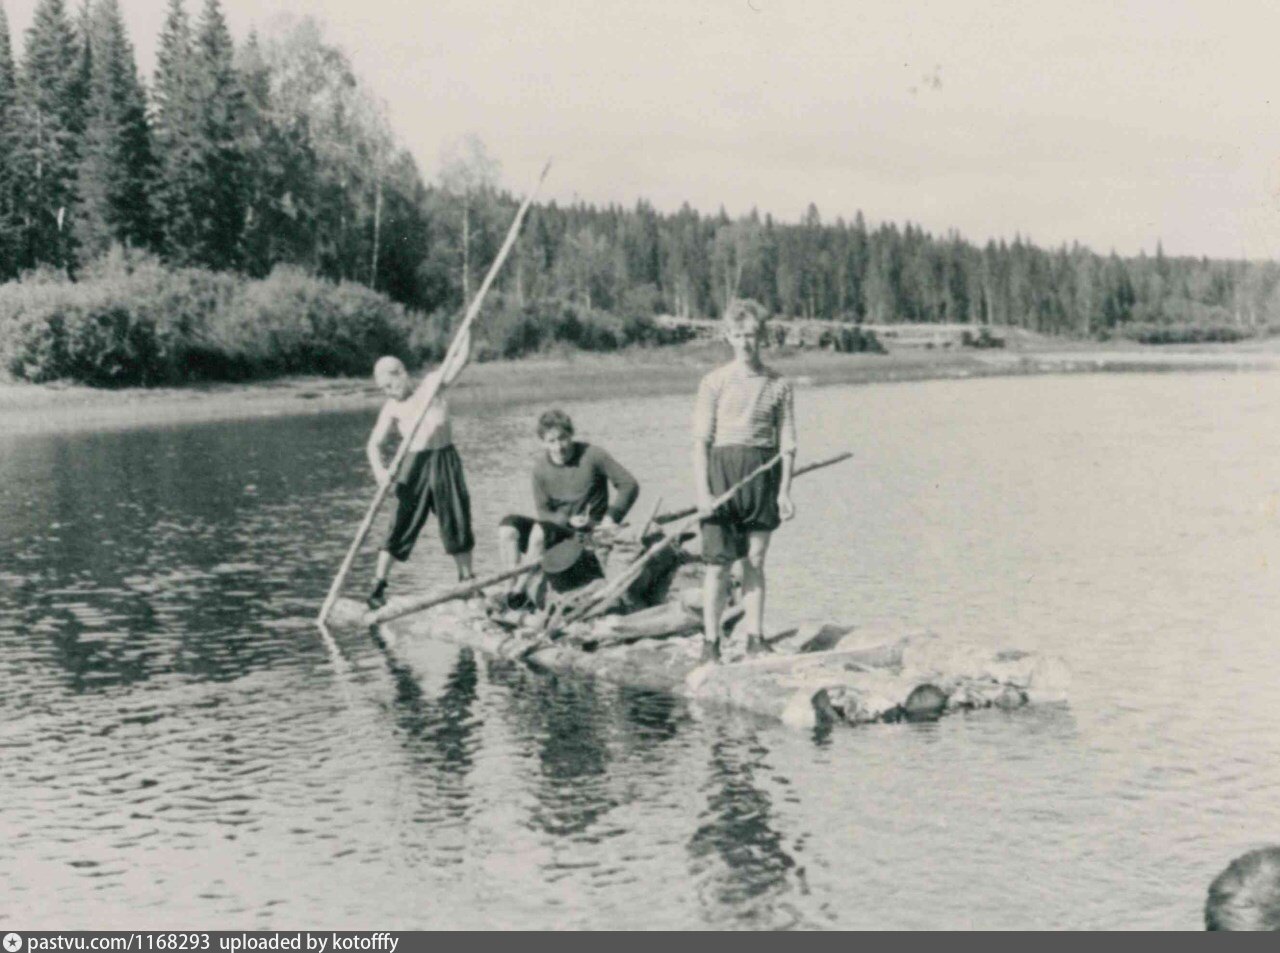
33,408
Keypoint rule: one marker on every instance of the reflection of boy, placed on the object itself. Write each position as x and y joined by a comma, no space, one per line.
430,477
743,418
571,481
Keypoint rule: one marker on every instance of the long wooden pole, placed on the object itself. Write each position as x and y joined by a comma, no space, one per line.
449,358
800,471
403,607
643,531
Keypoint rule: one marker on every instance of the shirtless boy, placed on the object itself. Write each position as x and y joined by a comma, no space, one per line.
431,477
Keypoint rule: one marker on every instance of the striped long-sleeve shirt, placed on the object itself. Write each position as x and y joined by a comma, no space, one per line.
741,406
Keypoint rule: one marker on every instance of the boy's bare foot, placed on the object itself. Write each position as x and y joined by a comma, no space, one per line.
710,652
378,597
504,601
756,645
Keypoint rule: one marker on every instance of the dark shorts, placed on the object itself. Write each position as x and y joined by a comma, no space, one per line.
552,533
753,508
431,481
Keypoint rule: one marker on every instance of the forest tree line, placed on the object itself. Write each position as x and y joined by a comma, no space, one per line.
247,158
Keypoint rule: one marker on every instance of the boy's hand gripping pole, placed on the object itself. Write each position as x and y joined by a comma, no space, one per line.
450,356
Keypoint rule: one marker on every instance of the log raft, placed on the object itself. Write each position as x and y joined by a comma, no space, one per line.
816,676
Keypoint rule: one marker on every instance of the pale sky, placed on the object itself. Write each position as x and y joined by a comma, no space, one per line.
1112,123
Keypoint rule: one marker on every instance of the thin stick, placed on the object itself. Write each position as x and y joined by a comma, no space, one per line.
403,607
644,527
449,358
799,471
614,591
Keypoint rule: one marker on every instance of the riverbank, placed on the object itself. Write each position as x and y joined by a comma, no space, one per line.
31,408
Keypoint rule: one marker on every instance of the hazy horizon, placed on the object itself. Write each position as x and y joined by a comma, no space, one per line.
1113,125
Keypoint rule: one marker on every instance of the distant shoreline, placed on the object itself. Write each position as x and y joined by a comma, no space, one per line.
33,408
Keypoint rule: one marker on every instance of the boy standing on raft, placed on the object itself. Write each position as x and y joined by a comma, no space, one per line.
743,418
430,477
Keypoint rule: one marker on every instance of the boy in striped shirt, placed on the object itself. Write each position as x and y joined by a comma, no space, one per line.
744,417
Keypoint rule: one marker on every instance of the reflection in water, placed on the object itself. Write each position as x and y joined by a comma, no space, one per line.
736,856
564,720
652,716
445,727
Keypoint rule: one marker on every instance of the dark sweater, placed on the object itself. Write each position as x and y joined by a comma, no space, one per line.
581,485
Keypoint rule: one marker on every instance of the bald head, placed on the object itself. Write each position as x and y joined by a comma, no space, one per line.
391,377
386,366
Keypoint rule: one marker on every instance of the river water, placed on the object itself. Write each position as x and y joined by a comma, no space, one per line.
179,748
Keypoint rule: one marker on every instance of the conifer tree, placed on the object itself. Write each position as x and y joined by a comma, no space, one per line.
8,114
174,195
80,31
219,105
46,128
116,163
265,229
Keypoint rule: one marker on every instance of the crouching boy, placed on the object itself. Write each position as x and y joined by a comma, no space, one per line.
571,480
743,418
430,477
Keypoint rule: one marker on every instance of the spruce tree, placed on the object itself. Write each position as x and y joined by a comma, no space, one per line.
219,104
116,163
8,114
49,116
174,193
80,31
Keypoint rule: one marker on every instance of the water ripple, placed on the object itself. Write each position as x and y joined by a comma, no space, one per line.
178,745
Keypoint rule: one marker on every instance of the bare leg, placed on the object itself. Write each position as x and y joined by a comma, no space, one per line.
713,596
378,597
753,585
509,553
383,567
509,546
463,561
535,550
537,543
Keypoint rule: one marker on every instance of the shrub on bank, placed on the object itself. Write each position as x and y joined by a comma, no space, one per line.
856,340
1179,333
142,327
984,339
292,323
133,321
510,330
841,338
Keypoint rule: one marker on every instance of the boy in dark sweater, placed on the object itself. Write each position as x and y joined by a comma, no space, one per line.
571,481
